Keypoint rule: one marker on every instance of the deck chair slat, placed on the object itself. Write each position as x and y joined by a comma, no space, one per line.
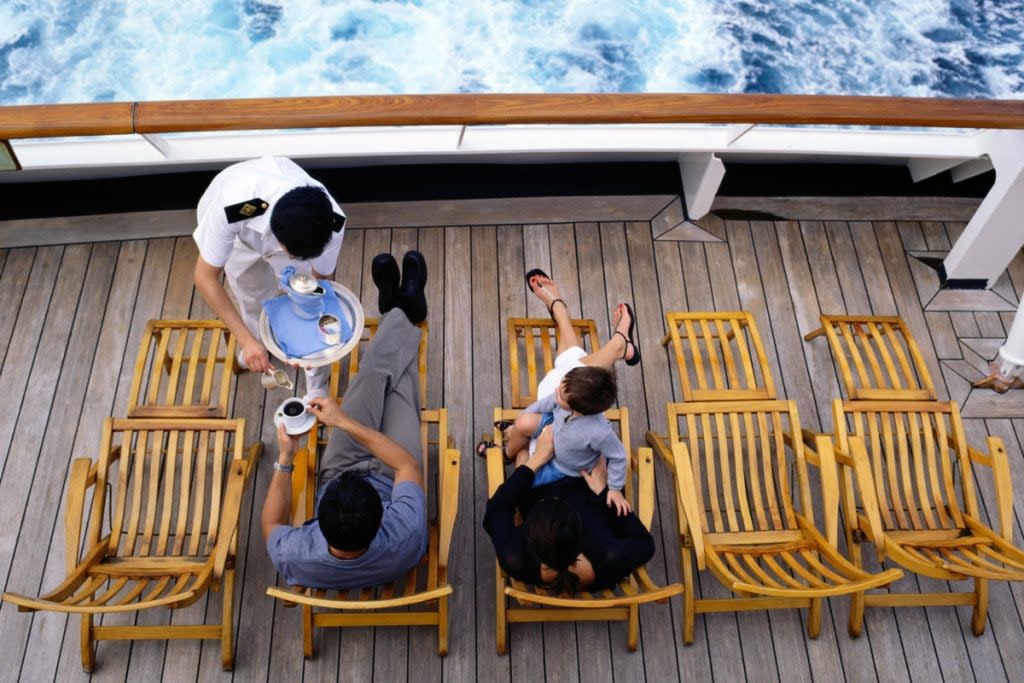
736,439
883,338
187,464
174,374
199,493
215,498
755,473
931,450
209,369
783,576
864,338
193,362
155,465
948,475
916,427
728,361
768,467
712,344
167,494
138,467
906,480
724,457
157,366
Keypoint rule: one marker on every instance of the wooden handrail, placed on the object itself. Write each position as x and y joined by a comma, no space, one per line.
58,120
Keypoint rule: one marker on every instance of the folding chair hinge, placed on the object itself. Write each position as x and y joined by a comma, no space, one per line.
859,536
687,541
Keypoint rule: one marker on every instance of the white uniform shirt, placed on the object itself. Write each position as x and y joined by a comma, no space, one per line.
266,178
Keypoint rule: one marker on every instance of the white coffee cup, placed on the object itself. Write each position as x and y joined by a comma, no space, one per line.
293,413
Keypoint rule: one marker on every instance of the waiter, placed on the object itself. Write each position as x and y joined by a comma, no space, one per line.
256,218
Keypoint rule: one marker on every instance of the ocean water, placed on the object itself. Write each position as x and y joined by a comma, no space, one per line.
100,50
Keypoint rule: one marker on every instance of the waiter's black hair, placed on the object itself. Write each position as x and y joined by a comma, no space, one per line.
303,221
349,512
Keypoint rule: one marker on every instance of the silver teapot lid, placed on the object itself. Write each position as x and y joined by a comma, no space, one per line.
302,283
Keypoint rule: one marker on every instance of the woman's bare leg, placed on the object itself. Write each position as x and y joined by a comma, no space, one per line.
616,349
547,291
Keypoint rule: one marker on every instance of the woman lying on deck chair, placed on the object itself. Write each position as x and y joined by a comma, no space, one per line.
569,539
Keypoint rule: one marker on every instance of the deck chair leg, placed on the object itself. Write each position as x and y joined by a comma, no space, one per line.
856,622
633,630
227,626
442,626
980,615
307,631
88,659
814,618
500,619
689,597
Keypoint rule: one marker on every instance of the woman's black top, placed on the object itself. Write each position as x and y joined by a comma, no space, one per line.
615,545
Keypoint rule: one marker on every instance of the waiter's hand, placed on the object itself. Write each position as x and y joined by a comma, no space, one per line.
256,357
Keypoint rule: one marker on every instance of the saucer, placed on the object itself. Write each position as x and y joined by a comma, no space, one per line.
295,431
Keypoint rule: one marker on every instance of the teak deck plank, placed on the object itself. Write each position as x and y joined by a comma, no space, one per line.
70,323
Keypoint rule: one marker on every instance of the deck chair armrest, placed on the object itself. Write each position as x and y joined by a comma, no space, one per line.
252,454
686,497
230,511
866,486
300,487
645,486
495,470
449,502
83,475
77,572
1000,464
825,461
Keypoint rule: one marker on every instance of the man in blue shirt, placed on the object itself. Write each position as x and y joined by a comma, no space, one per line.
371,523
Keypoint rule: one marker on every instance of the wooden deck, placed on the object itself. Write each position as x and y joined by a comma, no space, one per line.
70,321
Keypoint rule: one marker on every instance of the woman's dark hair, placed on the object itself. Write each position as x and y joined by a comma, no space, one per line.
303,221
554,536
349,512
590,389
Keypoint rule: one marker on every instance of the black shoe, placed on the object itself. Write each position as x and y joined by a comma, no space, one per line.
414,272
411,298
384,270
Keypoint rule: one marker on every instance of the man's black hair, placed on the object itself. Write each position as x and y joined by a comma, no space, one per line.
349,513
303,221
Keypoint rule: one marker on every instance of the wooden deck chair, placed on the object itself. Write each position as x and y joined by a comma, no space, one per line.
917,501
420,598
518,602
534,340
744,509
184,368
719,356
175,494
877,356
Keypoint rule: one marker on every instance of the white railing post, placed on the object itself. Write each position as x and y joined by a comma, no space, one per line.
996,231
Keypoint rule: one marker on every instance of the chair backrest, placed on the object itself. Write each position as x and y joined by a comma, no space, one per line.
719,356
742,463
878,358
352,361
918,457
168,485
532,347
184,368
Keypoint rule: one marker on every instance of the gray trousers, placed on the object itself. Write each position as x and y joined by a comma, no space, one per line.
384,395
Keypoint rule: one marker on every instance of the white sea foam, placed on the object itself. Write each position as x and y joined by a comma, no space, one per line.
77,50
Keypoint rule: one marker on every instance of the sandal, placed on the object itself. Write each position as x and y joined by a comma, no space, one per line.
534,273
485,444
629,339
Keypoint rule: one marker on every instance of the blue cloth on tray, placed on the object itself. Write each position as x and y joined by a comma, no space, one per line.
297,336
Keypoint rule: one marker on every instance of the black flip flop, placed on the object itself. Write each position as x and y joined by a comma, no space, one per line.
535,272
629,337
